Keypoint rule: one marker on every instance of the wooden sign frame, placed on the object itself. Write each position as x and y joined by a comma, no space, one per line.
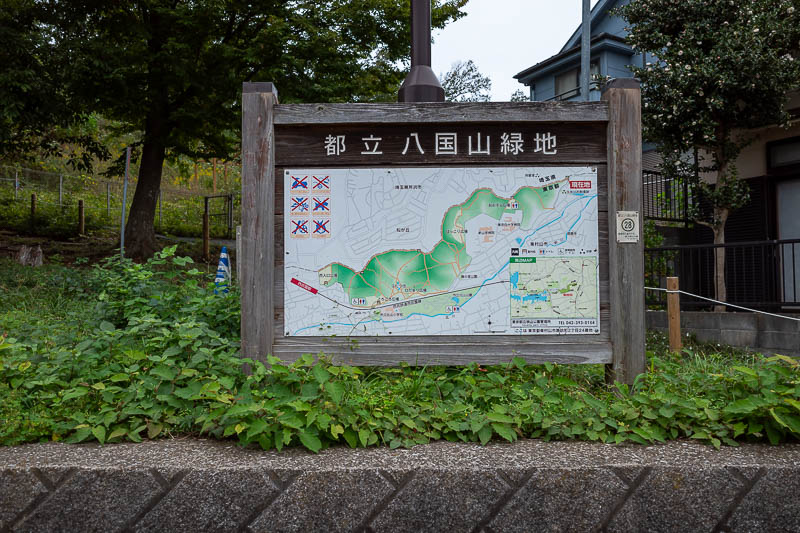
605,135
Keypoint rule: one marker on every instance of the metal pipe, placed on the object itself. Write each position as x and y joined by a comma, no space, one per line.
206,236
421,84
124,201
420,32
230,215
586,53
794,275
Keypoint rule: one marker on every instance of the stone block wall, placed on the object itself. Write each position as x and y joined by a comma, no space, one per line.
195,485
746,330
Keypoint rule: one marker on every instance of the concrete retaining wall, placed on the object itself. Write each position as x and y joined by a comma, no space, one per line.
196,485
747,330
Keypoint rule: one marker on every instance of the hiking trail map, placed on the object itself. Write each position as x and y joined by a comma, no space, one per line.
441,251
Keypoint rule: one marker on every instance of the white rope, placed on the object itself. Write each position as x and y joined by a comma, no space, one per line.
721,303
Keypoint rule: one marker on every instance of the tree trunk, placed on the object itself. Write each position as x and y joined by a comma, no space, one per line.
140,235
721,291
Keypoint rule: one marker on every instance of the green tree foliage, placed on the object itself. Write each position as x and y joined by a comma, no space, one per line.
723,67
173,70
465,83
36,115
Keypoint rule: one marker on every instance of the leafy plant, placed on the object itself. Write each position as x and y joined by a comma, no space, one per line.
125,352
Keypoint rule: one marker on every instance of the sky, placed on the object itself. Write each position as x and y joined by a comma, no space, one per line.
504,37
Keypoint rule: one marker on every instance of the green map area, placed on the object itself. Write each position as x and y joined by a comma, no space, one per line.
400,275
553,287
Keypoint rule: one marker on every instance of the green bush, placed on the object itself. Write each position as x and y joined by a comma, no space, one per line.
125,351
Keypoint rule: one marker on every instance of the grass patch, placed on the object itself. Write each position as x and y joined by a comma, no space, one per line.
58,218
122,351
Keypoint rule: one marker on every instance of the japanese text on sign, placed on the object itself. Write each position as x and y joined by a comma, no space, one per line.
448,143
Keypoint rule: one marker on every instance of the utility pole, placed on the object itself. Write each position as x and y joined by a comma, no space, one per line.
586,53
421,84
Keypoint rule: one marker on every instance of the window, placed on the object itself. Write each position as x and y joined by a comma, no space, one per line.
594,70
785,153
568,84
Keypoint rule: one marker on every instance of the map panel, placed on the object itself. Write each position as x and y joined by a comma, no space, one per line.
441,251
550,293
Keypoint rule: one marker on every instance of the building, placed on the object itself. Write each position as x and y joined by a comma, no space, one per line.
766,271
558,77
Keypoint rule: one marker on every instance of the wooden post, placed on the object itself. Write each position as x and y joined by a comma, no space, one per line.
196,179
81,219
626,259
257,255
674,314
33,208
60,190
214,173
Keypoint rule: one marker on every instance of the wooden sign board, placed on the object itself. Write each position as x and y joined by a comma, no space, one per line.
341,201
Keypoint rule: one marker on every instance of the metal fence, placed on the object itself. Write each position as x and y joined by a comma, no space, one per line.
760,275
226,213
665,199
103,197
572,93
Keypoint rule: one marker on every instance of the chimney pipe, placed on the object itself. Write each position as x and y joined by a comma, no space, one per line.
421,84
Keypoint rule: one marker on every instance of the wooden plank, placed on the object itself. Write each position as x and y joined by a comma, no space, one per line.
441,343
453,354
626,260
441,112
575,144
258,243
